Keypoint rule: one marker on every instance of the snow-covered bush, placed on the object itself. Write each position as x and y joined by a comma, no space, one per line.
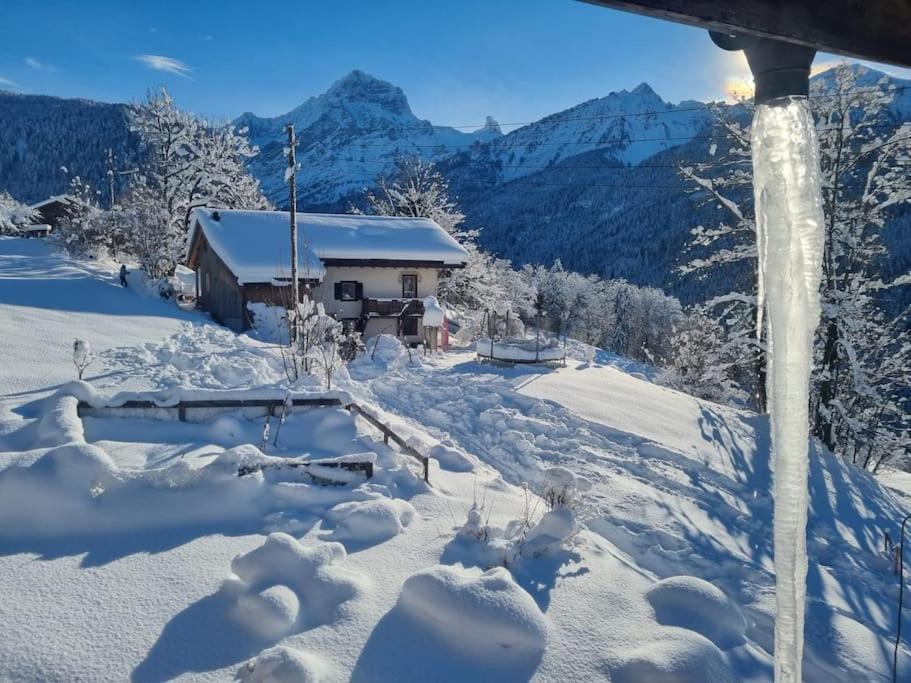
325,352
546,523
351,346
82,356
561,488
14,215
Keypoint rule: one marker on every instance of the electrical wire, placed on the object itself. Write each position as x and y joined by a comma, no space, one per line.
655,112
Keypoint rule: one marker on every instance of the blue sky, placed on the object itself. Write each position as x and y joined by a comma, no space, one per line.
517,60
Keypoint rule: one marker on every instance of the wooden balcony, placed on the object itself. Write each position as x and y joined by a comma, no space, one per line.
392,308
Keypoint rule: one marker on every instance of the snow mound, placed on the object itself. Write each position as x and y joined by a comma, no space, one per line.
312,574
384,353
60,424
283,665
77,465
697,605
489,611
451,458
685,658
433,312
271,613
550,533
371,521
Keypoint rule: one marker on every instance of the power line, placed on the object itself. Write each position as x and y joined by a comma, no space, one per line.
541,143
654,112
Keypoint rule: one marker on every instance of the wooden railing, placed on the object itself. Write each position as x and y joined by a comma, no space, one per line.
389,435
272,407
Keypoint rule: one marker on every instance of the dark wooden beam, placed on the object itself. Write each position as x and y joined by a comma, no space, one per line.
878,30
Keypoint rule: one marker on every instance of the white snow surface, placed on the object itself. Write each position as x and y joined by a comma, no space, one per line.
256,245
790,230
131,550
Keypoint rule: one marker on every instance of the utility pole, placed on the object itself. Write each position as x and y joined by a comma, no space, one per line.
292,213
111,176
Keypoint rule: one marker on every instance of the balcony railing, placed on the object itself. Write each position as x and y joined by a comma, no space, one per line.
392,308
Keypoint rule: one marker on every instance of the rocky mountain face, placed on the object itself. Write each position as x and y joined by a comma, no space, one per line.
347,137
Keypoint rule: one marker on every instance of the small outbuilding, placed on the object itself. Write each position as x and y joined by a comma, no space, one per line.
370,272
53,210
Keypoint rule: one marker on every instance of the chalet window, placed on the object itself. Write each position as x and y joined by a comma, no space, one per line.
409,286
349,290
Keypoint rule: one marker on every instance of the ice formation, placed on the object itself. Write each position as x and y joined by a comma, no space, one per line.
789,228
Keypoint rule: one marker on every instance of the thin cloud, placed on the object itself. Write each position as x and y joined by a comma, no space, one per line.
168,64
33,63
7,83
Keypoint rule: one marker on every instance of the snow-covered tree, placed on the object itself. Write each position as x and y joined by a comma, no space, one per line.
725,181
188,163
866,164
84,230
416,189
700,364
14,215
861,368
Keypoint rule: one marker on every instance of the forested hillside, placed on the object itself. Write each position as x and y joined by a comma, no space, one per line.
45,141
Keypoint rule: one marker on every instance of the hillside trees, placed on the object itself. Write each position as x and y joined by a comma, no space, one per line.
862,360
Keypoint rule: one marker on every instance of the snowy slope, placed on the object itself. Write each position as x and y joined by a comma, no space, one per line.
682,487
669,580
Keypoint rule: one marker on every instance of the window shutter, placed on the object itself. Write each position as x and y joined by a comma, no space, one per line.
338,291
358,290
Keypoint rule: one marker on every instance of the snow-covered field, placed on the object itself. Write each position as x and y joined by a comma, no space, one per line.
129,548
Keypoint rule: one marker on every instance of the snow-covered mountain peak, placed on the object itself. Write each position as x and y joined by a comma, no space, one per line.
644,90
490,127
359,86
348,136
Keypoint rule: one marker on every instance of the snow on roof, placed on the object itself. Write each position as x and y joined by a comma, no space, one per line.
63,198
255,245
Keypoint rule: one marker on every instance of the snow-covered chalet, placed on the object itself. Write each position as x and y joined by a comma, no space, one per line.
371,272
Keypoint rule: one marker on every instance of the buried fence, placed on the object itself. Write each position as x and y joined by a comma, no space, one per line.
201,409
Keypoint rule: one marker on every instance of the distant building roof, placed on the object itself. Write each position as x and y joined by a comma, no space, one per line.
256,245
61,198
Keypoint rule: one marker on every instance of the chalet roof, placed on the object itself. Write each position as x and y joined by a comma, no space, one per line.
255,245
61,198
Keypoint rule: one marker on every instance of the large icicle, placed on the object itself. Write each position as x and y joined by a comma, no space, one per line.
790,232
